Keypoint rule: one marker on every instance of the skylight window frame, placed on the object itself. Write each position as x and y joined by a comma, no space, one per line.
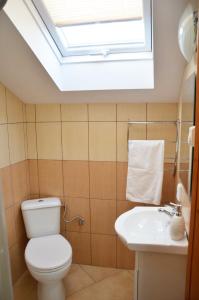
102,52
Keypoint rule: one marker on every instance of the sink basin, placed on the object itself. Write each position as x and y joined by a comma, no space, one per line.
147,229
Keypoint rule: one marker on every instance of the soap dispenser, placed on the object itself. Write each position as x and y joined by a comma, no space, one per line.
177,225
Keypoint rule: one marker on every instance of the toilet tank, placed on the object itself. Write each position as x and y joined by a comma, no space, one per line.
41,216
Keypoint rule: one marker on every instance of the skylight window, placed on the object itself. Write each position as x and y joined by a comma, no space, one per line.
97,27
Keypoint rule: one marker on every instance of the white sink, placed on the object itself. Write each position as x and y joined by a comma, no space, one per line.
147,229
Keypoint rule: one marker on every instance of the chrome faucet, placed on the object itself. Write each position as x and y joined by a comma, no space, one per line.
171,209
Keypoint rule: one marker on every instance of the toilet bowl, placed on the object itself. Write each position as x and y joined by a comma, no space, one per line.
48,259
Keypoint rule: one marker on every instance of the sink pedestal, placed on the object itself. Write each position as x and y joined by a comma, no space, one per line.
159,276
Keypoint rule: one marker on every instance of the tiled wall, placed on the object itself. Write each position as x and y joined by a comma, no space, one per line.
14,174
79,153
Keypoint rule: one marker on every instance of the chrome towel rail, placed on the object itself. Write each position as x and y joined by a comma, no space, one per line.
176,123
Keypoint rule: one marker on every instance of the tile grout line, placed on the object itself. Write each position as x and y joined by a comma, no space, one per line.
89,183
35,116
116,184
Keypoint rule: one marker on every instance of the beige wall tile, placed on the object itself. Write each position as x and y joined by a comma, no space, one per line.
19,223
136,132
16,142
4,152
48,113
184,132
10,224
76,179
30,112
3,113
14,108
18,265
6,181
81,247
169,185
103,250
33,176
169,152
78,207
123,206
74,112
132,112
103,180
20,183
187,112
102,112
121,180
125,257
162,111
75,140
31,141
161,132
102,141
103,216
49,140
50,177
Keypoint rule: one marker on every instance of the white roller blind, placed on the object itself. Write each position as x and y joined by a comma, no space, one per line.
71,12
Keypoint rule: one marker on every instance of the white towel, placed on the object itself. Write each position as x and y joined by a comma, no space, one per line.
145,171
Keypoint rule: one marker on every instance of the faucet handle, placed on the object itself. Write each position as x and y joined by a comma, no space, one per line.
178,208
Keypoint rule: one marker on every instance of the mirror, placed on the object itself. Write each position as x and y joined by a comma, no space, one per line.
186,120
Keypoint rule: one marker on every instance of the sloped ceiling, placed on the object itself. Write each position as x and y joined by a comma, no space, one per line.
21,72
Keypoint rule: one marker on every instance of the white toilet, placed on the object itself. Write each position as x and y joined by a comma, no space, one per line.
48,254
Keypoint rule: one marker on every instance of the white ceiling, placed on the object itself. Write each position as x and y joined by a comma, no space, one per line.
21,72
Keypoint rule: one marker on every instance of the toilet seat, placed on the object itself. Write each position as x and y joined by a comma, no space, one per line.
48,254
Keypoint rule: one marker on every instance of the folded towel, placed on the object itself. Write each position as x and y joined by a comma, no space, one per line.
145,171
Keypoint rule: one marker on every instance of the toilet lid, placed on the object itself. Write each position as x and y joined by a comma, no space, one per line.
48,252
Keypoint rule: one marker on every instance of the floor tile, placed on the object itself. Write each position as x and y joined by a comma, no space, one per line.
76,280
117,287
99,273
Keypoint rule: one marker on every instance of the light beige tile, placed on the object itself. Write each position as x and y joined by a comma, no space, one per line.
74,112
169,152
3,114
14,108
102,112
31,141
49,140
136,132
161,132
187,112
162,111
75,140
119,286
76,280
16,142
99,273
184,132
132,112
102,141
4,152
48,113
30,112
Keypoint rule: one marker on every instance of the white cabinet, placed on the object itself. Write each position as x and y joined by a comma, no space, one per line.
159,276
